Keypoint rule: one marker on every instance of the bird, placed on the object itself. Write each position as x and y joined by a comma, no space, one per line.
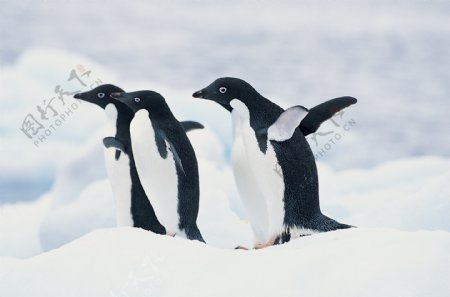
133,208
273,165
165,161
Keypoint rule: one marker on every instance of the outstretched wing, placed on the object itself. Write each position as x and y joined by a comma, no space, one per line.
191,125
322,112
284,127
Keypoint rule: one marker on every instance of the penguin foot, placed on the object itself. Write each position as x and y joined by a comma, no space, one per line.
170,234
271,242
262,245
240,247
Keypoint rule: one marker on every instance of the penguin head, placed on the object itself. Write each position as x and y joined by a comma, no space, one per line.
100,95
136,101
224,90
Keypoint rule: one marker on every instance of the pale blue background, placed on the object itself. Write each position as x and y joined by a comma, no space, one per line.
394,56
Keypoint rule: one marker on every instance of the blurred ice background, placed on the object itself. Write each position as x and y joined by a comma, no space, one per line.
391,55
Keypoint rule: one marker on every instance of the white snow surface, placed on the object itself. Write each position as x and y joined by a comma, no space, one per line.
391,55
410,194
132,262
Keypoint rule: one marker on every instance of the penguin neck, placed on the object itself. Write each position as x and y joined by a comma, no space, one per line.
160,114
226,106
263,112
125,115
249,97
119,118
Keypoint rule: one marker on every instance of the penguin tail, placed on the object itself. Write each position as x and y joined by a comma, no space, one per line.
193,233
323,223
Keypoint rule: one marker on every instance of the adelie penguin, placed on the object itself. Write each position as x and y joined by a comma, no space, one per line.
273,165
133,207
165,161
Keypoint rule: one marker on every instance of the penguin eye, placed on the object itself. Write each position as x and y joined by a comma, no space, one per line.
101,95
137,99
222,90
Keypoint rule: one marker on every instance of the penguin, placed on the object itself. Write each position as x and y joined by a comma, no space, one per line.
133,208
165,161
274,167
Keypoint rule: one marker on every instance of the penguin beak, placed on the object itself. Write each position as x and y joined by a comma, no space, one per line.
116,95
78,96
199,94
119,96
124,98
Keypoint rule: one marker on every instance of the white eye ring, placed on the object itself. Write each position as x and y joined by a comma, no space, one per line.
101,95
137,99
222,90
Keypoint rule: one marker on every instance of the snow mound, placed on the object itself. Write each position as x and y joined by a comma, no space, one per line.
81,199
19,227
132,262
409,194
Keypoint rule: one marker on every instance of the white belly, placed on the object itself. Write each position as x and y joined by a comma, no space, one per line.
120,180
269,176
158,176
249,191
118,173
265,170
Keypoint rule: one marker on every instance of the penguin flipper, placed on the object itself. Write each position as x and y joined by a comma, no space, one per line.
176,157
191,125
322,112
284,127
116,143
162,141
113,142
